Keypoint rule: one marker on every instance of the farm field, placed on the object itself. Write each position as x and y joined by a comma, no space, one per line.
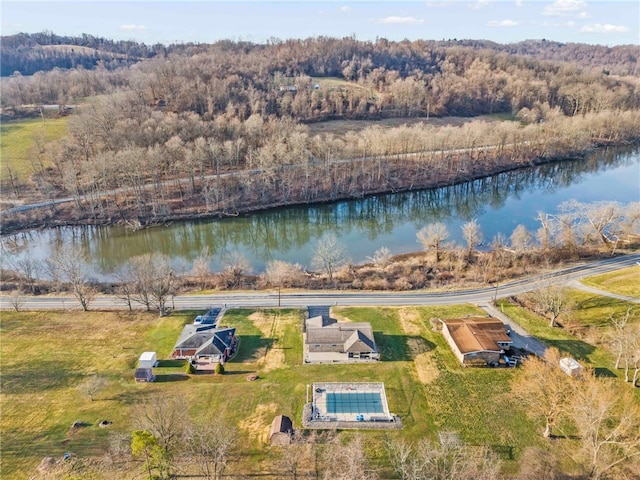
22,141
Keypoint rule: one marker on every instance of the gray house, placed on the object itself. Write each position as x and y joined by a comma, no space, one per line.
205,343
329,341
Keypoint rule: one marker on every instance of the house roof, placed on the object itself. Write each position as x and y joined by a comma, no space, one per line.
339,337
359,342
477,334
218,343
320,321
281,424
206,339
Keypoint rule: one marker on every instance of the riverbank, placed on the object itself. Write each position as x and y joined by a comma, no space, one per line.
410,172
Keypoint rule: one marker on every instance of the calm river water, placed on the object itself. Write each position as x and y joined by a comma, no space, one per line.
499,204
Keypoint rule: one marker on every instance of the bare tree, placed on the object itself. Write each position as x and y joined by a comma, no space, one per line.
607,419
209,443
329,254
521,239
165,418
472,235
448,460
381,258
296,455
29,269
280,274
150,281
16,300
93,385
433,237
546,232
552,301
537,463
70,265
348,461
234,265
620,338
201,268
544,389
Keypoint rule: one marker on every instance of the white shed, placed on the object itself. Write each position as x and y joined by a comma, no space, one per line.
570,366
148,360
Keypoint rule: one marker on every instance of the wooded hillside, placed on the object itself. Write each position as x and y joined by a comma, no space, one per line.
221,128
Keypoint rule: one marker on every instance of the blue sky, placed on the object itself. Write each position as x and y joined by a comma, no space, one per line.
596,22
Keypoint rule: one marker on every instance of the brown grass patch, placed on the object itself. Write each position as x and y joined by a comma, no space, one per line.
271,325
258,423
426,367
410,321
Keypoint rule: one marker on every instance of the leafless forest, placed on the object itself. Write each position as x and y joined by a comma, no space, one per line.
206,130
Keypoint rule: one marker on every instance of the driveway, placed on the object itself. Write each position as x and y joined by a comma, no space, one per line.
521,338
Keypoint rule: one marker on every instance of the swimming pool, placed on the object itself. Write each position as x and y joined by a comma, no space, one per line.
354,402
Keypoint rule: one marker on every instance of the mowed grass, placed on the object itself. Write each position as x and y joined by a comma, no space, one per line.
584,334
21,142
46,355
623,282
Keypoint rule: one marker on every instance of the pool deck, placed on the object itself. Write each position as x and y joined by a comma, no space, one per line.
319,416
307,422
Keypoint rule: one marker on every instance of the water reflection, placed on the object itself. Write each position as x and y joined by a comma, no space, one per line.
499,203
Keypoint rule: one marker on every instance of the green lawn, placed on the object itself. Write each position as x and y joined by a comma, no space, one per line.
584,333
21,142
622,282
46,355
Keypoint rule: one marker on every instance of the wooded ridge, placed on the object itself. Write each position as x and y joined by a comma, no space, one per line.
233,126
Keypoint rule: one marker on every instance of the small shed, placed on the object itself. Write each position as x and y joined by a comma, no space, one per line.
144,375
571,367
281,431
147,360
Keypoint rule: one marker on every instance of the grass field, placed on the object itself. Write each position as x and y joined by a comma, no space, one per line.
622,282
46,355
584,333
21,142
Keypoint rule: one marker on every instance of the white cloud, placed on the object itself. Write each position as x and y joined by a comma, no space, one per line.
564,7
519,3
503,23
443,3
346,9
478,4
584,15
401,20
131,27
604,28
568,24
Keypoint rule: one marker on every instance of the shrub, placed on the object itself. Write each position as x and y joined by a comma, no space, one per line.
219,370
190,369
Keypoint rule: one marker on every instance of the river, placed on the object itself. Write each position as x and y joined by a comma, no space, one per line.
499,203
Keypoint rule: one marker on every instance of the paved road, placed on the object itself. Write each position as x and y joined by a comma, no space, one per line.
581,286
351,298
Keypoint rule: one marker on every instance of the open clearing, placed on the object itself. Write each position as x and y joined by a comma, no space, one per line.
341,127
22,141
